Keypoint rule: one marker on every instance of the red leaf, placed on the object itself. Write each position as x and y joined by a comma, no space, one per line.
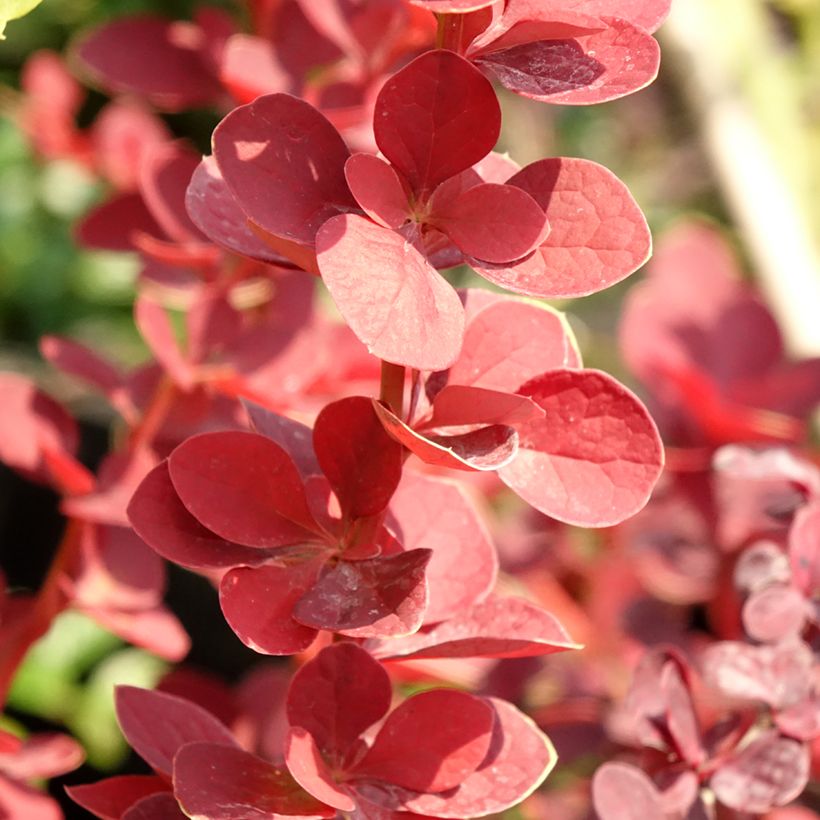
494,223
389,295
44,756
153,57
417,750
519,758
250,68
224,783
435,118
213,209
243,487
378,190
487,448
155,327
337,695
771,771
82,363
284,163
437,514
161,520
157,725
594,459
775,613
258,605
512,341
648,14
779,675
362,463
598,235
376,597
457,404
452,6
497,628
155,807
311,772
622,792
110,798
113,225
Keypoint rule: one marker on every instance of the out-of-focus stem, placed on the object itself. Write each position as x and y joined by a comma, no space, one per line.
765,208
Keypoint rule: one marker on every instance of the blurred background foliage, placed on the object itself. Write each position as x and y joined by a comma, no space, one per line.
769,53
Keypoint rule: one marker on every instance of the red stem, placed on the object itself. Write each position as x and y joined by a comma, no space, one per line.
391,390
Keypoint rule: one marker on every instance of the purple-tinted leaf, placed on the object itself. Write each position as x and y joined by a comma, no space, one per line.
417,750
594,459
376,597
771,771
243,487
223,783
157,725
284,163
337,695
362,463
258,604
389,294
623,792
435,118
496,628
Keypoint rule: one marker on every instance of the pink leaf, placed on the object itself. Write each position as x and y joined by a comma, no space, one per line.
452,6
436,117
487,448
519,758
510,342
804,548
250,68
622,792
497,628
155,327
161,520
216,213
376,597
284,163
594,459
771,771
437,514
157,725
258,605
648,14
153,57
775,613
494,223
598,235
224,783
389,295
82,363
362,463
801,721
110,798
311,772
457,405
243,487
43,756
337,695
378,190
417,750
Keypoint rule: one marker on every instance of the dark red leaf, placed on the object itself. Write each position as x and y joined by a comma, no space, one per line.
494,223
594,459
113,225
417,750
487,448
389,294
510,342
622,792
771,771
258,605
598,235
284,163
155,807
519,758
311,772
337,696
378,190
152,57
376,597
224,783
244,487
437,514
157,725
497,628
110,798
362,463
435,118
